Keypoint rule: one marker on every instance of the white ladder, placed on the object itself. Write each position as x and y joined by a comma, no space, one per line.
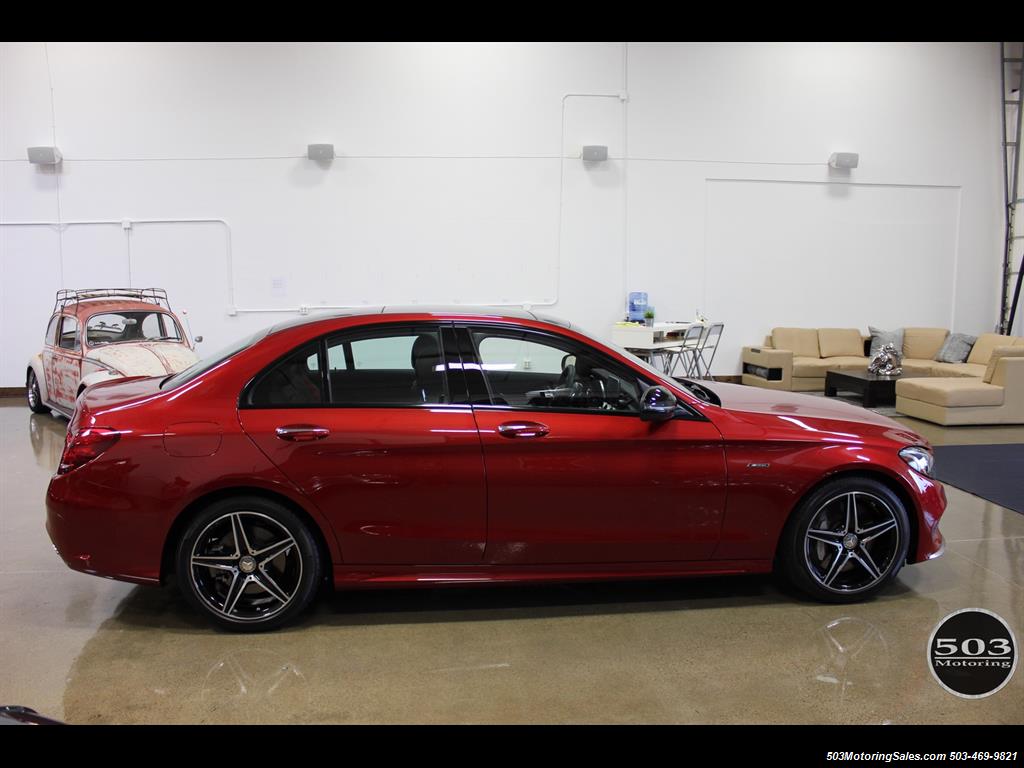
1012,56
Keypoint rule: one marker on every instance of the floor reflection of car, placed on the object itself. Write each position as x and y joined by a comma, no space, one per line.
47,438
104,334
414,447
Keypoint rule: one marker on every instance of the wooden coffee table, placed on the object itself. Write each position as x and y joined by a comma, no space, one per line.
873,389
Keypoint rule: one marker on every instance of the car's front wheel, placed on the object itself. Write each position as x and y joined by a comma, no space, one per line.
846,541
35,399
248,563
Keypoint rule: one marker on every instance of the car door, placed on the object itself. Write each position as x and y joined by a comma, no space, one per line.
573,474
64,370
374,430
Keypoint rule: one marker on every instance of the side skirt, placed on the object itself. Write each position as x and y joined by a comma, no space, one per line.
62,411
356,576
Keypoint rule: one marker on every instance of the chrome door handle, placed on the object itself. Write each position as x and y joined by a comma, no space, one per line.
522,429
302,433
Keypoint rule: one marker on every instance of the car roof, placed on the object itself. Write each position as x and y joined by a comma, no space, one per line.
84,309
462,311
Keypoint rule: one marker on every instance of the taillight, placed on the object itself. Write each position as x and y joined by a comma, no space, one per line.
85,446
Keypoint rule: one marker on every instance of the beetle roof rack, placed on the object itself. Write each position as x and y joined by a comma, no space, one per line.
68,296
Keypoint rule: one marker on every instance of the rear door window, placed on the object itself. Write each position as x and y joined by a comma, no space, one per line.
393,367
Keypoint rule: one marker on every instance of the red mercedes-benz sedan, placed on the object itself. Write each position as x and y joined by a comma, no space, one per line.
415,447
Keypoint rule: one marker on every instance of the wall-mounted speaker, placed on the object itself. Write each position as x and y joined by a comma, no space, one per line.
320,152
44,155
844,160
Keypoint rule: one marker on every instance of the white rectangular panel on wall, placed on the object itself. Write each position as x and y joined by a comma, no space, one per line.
429,231
827,255
28,282
189,260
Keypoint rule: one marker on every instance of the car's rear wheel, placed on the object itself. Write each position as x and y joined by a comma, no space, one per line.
35,399
248,563
846,541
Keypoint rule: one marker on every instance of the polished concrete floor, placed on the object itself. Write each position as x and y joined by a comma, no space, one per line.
735,650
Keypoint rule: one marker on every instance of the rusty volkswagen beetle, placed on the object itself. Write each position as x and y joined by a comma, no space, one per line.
99,334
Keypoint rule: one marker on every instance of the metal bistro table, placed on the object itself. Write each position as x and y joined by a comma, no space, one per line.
873,389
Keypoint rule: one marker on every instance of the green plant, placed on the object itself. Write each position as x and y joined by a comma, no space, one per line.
649,315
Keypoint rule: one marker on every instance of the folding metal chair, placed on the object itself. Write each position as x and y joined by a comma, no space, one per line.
705,354
686,351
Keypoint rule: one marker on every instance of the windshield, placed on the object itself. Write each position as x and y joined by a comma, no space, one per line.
201,367
135,326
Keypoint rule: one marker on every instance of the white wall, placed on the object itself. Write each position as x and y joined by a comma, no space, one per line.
451,185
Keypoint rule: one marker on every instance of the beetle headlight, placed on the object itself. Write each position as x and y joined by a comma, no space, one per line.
919,458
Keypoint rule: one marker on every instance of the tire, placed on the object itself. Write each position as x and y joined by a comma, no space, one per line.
264,581
35,399
839,554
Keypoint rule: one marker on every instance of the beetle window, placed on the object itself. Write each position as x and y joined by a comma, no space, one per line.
118,327
51,331
69,333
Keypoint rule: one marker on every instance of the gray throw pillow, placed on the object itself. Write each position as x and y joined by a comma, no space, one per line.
880,338
956,349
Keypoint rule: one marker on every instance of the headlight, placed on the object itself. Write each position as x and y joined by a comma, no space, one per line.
919,458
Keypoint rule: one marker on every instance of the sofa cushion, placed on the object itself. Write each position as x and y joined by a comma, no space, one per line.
997,354
912,366
880,338
950,392
985,344
956,370
956,348
818,366
810,367
1018,341
838,342
848,363
802,342
923,343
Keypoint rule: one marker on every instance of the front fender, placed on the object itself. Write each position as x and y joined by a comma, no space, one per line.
96,377
35,364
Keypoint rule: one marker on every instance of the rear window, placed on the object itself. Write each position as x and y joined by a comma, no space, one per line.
212,361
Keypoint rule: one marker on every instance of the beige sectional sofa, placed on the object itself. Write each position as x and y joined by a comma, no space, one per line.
796,359
986,389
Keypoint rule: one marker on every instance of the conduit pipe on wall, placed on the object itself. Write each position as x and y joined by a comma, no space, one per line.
302,309
127,224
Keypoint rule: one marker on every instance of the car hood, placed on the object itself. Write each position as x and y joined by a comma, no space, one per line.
150,358
797,408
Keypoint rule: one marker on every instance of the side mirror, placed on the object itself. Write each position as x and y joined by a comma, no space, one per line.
657,404
197,339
